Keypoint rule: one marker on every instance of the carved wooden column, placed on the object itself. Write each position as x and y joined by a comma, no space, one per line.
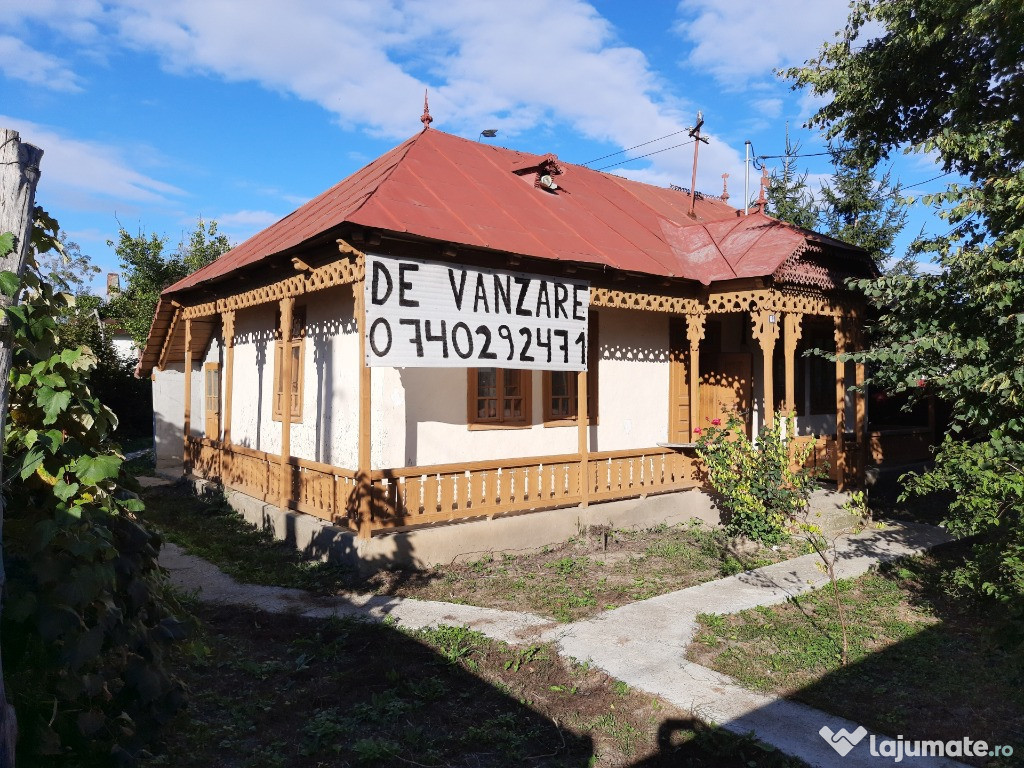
840,336
228,326
860,396
287,306
794,329
766,330
364,490
186,453
694,334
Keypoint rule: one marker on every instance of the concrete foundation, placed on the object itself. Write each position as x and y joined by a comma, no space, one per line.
461,542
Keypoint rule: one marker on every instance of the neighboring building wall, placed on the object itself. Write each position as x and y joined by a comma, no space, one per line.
168,416
125,347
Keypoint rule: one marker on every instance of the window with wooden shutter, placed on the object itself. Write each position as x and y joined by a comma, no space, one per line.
499,396
211,399
296,348
560,388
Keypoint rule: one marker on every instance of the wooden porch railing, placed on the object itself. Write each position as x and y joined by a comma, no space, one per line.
317,489
446,492
901,445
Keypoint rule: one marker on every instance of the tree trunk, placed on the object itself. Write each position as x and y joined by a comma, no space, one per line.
19,173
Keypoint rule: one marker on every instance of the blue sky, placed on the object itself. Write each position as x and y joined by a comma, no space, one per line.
152,114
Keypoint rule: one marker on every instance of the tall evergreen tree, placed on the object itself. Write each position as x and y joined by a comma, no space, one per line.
861,208
789,197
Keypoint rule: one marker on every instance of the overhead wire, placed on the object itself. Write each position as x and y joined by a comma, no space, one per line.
636,146
927,181
638,157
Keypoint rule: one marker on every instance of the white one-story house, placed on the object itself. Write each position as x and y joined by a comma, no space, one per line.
409,348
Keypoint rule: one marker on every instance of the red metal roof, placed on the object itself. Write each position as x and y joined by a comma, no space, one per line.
439,186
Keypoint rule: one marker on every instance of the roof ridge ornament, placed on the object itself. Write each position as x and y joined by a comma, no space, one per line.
725,187
425,118
762,200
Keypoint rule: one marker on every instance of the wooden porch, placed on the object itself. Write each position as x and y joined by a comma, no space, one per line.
442,493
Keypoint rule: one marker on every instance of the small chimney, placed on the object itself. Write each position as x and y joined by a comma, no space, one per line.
113,284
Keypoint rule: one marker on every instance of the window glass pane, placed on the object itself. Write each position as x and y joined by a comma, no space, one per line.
487,382
513,381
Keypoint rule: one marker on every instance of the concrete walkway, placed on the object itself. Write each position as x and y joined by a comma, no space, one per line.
643,644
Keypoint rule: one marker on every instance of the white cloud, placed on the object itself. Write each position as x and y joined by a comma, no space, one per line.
20,62
367,62
768,107
79,170
745,39
249,220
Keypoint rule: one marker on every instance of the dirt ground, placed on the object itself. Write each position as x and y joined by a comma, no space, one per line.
603,568
268,691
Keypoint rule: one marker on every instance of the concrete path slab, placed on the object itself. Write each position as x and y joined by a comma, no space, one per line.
643,644
193,574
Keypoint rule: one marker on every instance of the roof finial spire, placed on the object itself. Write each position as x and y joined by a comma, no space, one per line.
762,200
725,187
425,118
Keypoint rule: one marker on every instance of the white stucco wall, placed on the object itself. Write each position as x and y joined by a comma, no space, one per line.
168,415
330,382
419,414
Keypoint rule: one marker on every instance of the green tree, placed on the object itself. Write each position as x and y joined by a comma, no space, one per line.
67,268
147,269
789,197
958,333
861,208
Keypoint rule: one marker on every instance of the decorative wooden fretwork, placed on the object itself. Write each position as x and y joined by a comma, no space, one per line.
614,298
695,329
227,320
765,328
342,272
780,301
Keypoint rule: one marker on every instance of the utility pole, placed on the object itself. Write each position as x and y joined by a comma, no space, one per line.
19,174
746,177
697,139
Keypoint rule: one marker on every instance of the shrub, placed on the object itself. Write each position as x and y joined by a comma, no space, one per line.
762,485
88,612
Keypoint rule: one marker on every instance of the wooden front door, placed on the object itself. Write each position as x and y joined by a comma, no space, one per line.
678,382
726,385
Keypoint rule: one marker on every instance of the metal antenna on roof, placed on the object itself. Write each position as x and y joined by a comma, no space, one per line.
697,139
425,118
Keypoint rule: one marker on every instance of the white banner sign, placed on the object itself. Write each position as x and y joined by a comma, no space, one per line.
431,315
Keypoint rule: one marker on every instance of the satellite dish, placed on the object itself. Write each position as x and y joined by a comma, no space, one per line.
548,183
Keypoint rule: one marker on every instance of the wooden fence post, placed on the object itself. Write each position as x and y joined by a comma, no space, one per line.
19,174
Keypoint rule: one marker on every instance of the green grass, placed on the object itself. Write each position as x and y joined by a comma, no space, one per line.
591,573
212,530
921,663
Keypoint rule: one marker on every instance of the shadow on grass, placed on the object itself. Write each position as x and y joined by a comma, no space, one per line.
925,665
